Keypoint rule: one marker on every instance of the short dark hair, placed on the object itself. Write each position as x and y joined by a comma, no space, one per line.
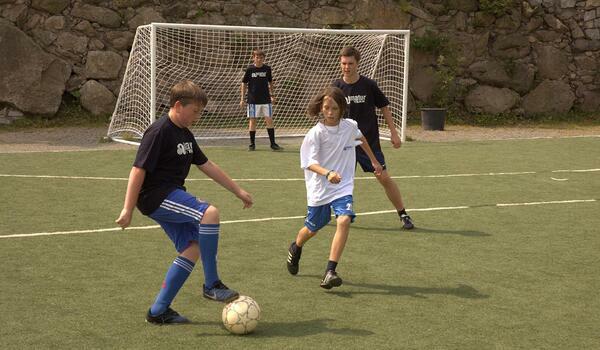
258,52
187,92
316,104
350,51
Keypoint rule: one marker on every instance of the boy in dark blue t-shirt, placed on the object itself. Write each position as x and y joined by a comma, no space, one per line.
258,83
156,184
363,96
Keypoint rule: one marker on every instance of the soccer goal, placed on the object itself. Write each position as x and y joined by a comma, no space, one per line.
303,61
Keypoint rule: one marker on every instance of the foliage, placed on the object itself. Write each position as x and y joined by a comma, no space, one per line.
496,7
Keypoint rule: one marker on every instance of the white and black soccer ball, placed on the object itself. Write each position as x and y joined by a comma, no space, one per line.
241,316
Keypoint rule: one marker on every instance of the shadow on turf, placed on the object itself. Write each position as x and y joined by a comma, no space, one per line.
291,329
425,230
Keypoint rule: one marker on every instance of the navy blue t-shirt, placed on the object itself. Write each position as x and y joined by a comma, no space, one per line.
258,80
362,98
166,152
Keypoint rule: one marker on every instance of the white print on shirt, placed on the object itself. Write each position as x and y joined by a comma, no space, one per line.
356,99
184,148
259,74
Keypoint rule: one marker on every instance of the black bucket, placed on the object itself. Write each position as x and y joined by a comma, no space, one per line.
433,118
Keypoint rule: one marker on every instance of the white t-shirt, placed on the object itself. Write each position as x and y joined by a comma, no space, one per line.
333,148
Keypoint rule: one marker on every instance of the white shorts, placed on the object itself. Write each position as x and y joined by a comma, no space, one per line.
257,111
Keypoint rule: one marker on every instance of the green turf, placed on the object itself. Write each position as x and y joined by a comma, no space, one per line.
485,277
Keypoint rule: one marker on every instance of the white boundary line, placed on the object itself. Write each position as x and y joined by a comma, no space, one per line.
302,179
115,229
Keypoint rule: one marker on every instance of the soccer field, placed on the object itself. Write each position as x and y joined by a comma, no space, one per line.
505,254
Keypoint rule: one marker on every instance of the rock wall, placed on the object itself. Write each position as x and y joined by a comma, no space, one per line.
528,57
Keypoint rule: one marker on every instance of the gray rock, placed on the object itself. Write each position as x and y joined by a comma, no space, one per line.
329,15
233,9
551,96
422,83
120,40
576,31
145,16
30,79
547,35
51,6
588,63
103,65
96,98
289,9
555,23
593,34
129,3
72,43
521,78
552,63
16,14
422,14
380,15
567,3
43,37
582,45
489,73
103,16
488,99
511,46
534,24
469,46
262,8
86,28
463,5
591,101
55,23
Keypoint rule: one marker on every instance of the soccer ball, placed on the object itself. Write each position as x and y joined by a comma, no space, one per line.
241,315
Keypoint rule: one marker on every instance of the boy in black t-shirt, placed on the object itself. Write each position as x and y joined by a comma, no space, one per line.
258,82
156,184
363,96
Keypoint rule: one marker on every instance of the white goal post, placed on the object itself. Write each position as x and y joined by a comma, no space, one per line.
303,61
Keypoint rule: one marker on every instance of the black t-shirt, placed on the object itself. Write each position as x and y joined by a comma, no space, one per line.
362,98
258,80
166,153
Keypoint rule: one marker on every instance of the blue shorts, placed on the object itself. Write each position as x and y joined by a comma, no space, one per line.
365,163
320,216
180,215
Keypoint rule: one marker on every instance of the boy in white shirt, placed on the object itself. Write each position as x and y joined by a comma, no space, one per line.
328,158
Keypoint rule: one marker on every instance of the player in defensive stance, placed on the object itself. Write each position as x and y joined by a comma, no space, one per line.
328,158
258,82
362,96
163,161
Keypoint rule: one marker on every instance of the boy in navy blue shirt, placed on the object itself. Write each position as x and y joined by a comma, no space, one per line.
363,96
156,184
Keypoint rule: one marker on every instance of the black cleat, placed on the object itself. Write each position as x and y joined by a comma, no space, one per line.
168,317
252,147
276,147
293,259
330,280
407,223
220,292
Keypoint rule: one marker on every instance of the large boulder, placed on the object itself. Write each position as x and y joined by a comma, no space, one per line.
52,6
30,79
490,72
101,15
552,63
145,16
381,15
103,65
489,99
96,98
422,83
551,96
591,101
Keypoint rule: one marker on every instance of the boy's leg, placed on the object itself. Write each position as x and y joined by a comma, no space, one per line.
251,113
344,213
339,239
393,194
267,112
208,238
316,218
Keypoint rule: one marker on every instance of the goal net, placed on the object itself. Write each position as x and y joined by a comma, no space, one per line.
303,61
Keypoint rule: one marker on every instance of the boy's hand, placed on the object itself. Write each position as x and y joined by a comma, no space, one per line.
272,99
378,168
124,219
242,103
246,198
334,178
395,139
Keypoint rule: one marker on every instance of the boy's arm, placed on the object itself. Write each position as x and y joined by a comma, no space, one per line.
272,91
219,176
136,179
365,146
387,114
331,175
242,94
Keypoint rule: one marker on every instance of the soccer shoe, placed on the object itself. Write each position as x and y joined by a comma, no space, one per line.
220,292
407,223
330,280
276,147
293,260
170,316
252,147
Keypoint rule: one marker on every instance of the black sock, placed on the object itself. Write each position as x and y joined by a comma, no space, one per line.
271,135
331,265
252,137
402,212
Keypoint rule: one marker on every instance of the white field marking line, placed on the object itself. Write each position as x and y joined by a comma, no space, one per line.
113,229
558,179
302,179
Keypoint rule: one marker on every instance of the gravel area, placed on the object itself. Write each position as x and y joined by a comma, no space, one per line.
91,138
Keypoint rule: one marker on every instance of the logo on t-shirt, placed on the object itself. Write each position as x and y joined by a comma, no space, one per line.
356,99
184,148
259,74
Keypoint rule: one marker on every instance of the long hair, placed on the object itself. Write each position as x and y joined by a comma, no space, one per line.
316,104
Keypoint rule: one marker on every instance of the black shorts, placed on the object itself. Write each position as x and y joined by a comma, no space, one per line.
365,162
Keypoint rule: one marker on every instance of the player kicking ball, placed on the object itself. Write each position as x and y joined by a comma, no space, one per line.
166,153
328,158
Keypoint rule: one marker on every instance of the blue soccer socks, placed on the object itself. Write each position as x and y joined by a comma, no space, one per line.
175,278
208,238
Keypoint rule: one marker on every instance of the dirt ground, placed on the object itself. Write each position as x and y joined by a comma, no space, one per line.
92,138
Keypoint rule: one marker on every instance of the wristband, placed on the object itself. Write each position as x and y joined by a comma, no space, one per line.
328,173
